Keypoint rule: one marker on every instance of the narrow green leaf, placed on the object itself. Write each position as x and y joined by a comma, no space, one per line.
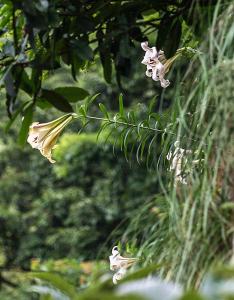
132,117
143,145
82,110
149,150
139,127
104,110
121,107
137,152
89,100
107,66
102,128
27,120
151,105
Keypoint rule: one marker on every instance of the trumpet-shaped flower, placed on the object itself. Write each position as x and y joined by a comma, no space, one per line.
43,136
120,264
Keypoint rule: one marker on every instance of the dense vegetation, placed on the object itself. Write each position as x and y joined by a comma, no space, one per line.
114,181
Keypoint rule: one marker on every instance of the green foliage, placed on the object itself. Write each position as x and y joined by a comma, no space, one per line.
136,286
38,38
92,199
75,210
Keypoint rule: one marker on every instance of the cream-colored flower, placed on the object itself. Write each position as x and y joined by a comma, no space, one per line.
179,158
44,136
120,264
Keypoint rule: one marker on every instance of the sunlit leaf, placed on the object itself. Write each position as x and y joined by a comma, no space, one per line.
27,120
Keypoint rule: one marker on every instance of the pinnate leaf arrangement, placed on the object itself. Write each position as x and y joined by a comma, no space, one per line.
43,136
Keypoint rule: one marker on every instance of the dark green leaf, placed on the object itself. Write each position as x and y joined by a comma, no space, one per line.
107,65
10,90
169,35
43,104
76,64
25,83
36,78
83,49
56,100
71,93
9,84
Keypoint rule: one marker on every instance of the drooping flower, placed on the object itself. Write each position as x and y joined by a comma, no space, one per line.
43,136
120,264
119,275
154,60
179,158
156,63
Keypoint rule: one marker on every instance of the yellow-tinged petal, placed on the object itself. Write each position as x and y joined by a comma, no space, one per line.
44,136
50,141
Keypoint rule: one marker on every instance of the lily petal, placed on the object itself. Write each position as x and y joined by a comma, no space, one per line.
43,136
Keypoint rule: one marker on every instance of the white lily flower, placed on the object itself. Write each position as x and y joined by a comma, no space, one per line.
179,158
157,64
44,136
119,275
154,61
120,264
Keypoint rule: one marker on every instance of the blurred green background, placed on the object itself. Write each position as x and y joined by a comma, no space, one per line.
66,217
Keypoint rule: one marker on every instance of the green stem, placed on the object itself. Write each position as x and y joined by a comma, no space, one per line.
129,125
124,123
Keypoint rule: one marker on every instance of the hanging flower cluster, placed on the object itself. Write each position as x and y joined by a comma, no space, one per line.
44,136
179,158
120,264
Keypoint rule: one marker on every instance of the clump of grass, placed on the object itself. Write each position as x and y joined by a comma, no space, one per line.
188,228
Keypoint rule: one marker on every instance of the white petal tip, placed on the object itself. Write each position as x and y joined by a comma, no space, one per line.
144,46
